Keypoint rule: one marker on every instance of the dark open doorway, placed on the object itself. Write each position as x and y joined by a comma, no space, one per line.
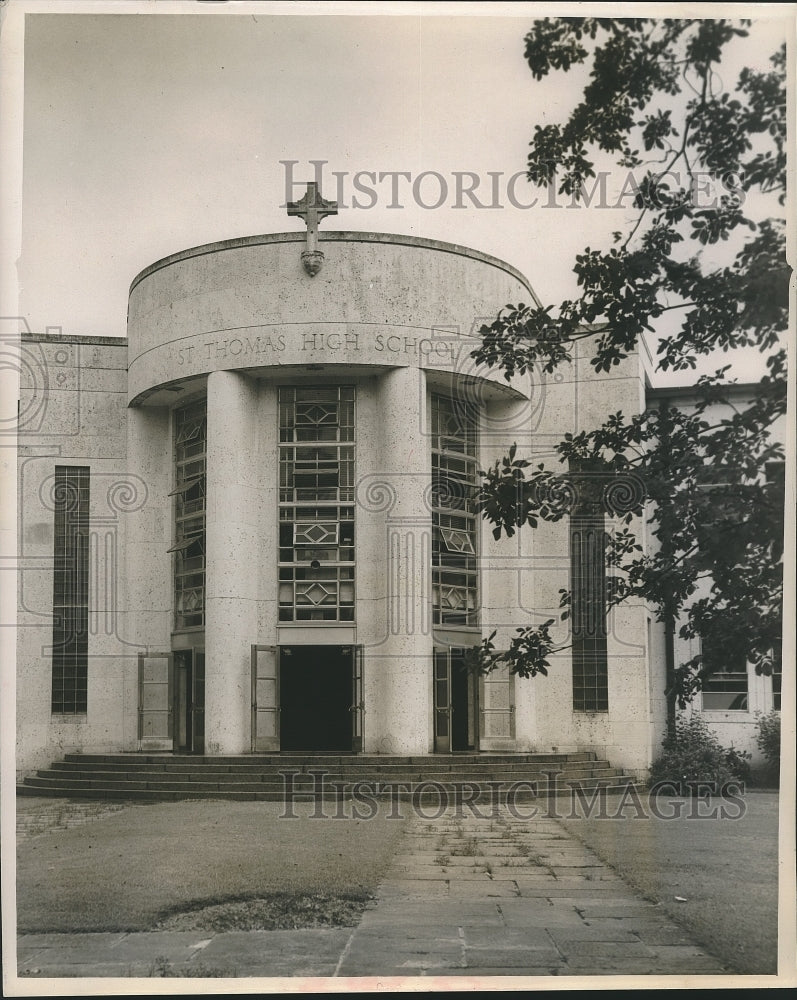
316,698
461,723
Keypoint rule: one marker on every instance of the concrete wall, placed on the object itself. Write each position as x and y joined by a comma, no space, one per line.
72,412
526,572
379,300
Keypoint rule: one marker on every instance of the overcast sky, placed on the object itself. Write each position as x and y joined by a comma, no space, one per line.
148,133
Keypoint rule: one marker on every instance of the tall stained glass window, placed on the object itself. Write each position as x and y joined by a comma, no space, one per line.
316,505
454,535
190,452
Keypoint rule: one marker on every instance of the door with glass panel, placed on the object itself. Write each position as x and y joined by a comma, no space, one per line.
188,700
455,702
357,700
155,701
265,732
497,710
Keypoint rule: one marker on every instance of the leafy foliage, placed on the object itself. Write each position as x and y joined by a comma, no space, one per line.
653,103
768,738
527,655
692,755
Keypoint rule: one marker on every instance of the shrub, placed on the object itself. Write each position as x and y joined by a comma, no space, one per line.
693,755
738,762
768,739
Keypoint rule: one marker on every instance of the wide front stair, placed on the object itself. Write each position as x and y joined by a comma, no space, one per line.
305,777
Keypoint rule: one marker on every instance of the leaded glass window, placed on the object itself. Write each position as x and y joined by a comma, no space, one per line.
588,590
70,590
454,523
190,453
316,530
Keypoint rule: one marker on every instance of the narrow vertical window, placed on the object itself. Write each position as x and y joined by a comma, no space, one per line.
588,592
70,590
190,455
316,509
454,534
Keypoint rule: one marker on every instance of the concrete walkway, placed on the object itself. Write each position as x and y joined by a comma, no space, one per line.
467,896
508,896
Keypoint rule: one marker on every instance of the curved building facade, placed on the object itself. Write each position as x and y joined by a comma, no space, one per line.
264,507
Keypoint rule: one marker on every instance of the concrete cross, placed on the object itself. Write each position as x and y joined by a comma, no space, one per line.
312,208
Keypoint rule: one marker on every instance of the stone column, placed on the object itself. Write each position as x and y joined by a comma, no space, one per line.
144,619
398,668
231,558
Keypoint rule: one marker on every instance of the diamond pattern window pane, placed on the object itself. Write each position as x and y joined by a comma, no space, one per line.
315,533
457,540
190,429
316,593
191,602
454,598
316,413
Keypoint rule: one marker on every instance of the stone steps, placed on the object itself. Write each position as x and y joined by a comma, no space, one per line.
574,769
312,759
305,782
305,777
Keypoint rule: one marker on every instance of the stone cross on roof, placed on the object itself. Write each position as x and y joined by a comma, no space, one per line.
312,208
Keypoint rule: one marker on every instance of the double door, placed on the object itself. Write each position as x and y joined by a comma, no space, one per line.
307,698
470,712
171,701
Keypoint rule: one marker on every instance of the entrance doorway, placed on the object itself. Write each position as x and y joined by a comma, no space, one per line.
188,700
319,700
456,711
171,701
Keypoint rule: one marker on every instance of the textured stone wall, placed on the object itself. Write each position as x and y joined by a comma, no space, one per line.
72,413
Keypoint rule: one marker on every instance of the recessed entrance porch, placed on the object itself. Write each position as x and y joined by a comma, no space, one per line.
307,698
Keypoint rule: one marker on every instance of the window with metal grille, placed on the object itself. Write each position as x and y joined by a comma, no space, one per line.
588,591
70,590
316,503
190,458
454,523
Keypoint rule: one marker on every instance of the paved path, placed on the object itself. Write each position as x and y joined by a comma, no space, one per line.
508,896
467,896
37,815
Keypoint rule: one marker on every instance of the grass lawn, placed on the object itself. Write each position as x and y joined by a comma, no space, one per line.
126,871
131,869
726,870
